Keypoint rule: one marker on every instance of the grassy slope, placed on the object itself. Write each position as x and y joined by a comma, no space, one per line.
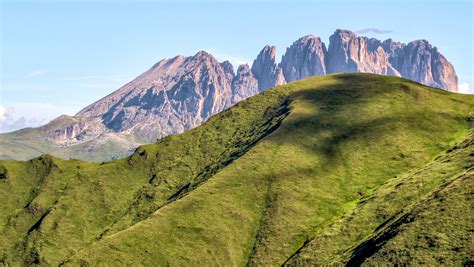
51,208
215,195
437,231
371,231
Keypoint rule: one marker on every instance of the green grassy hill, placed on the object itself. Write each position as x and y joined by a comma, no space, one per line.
347,168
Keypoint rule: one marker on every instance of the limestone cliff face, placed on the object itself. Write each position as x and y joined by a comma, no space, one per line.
266,70
350,53
181,93
68,130
304,58
419,61
244,84
174,95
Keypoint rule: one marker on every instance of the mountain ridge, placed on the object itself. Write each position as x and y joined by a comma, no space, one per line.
177,94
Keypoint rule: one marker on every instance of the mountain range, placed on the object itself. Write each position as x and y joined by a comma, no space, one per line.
180,93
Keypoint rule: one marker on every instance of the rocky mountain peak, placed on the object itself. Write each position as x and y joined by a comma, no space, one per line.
266,70
204,58
343,35
174,95
243,68
420,61
244,84
227,66
203,54
228,70
268,52
304,58
391,47
351,53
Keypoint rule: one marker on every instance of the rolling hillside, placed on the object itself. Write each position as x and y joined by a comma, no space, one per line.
346,168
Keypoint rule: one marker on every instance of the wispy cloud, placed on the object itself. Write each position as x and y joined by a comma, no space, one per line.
4,114
36,73
373,30
464,88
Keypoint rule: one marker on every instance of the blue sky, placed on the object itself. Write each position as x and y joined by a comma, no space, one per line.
58,56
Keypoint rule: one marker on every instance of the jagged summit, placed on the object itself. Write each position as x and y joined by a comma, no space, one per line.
266,69
304,58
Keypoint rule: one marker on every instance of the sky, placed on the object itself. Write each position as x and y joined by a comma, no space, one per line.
58,56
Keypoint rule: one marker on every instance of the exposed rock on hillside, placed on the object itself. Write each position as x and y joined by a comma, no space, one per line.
419,61
350,53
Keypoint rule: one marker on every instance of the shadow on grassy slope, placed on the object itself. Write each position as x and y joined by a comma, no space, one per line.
354,134
361,232
100,199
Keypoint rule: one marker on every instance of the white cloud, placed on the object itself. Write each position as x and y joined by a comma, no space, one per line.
3,114
373,30
464,88
19,115
7,121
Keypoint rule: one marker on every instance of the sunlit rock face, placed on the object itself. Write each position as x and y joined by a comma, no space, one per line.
304,58
417,60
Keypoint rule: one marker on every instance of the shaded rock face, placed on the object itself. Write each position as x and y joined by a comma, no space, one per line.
304,58
266,70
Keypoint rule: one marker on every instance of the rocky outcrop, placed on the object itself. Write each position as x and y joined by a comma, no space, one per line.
350,53
68,130
174,95
419,61
304,58
266,70
391,47
244,84
228,70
